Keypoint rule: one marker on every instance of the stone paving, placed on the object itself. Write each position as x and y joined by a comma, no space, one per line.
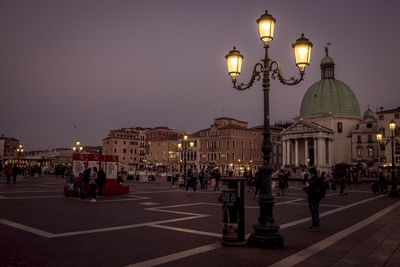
159,225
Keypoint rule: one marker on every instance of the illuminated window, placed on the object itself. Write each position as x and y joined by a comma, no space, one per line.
359,152
383,160
371,152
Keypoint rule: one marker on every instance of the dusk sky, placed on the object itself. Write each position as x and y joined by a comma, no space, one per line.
104,65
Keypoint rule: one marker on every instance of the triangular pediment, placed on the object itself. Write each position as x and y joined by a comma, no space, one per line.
306,127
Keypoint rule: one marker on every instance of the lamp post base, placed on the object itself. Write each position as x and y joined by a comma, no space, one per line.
263,237
266,233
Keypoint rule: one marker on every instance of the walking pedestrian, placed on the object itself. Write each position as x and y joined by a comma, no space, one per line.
206,179
93,185
174,177
101,181
282,184
201,178
9,173
85,181
190,181
217,176
382,183
15,171
315,189
257,181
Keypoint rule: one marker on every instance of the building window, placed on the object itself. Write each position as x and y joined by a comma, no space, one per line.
382,159
396,116
371,152
358,138
369,125
340,127
359,151
115,150
369,138
381,117
397,159
382,147
115,141
124,150
124,142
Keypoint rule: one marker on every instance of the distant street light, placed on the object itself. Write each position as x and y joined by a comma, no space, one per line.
385,140
78,148
184,145
20,150
266,231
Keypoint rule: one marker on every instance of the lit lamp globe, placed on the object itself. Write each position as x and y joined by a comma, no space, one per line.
266,26
179,146
74,149
81,148
191,144
185,137
392,125
379,137
302,52
234,62
78,143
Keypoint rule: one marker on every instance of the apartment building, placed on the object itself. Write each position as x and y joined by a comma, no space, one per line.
385,151
230,145
127,144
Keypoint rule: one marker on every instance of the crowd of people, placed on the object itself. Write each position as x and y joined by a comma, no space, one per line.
195,178
91,181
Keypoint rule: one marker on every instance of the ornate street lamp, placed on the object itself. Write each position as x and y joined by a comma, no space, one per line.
183,145
20,150
78,148
266,231
385,140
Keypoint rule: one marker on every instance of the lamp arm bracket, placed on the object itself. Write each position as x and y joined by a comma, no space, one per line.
275,67
254,76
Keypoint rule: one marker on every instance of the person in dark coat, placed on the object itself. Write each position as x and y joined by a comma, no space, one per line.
101,181
15,173
315,189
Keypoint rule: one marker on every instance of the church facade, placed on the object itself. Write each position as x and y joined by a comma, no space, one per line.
322,134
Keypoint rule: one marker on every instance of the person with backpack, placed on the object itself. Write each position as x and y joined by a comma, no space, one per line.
85,181
315,189
101,181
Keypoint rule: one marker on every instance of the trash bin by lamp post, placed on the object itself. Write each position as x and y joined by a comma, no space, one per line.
233,233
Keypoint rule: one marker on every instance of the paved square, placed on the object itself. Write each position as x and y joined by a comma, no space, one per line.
159,225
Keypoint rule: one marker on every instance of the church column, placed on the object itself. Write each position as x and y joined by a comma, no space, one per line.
329,152
315,152
296,152
332,153
305,151
288,156
283,153
321,152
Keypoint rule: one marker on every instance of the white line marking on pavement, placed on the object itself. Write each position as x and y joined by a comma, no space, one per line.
34,197
27,228
148,203
300,221
317,247
185,230
176,256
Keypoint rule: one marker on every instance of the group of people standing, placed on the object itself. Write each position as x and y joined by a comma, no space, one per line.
11,171
91,181
194,177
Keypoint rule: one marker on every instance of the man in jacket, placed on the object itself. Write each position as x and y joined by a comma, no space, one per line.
315,190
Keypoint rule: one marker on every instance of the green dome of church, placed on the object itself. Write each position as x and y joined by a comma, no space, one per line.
329,96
